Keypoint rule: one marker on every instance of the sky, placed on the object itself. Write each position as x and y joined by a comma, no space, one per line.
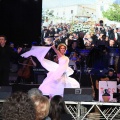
55,3
117,1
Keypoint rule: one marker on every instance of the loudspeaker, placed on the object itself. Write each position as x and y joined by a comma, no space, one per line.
5,92
77,94
39,75
23,87
41,78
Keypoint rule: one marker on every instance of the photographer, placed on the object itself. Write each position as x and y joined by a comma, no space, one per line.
110,76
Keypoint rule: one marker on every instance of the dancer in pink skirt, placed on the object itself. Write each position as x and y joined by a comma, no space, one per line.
58,76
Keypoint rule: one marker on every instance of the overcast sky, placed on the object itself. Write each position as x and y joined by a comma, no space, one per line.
55,3
60,3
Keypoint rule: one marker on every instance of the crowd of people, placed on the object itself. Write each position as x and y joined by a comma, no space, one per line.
34,106
60,53
100,43
94,49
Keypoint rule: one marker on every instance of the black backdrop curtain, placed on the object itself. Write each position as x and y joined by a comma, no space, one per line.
20,20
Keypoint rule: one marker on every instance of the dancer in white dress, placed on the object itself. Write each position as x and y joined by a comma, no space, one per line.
58,76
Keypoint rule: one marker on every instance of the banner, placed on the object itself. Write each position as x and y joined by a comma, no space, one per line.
112,88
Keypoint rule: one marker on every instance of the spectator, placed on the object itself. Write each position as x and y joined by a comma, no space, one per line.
58,109
42,107
34,92
18,107
110,76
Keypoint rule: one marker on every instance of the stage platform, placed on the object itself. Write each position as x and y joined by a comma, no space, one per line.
80,110
83,110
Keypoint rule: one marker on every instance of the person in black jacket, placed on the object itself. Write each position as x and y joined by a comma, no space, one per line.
6,54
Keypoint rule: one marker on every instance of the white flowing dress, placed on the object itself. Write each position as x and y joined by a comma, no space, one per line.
58,76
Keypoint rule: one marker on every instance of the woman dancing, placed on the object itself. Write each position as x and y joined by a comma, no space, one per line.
58,76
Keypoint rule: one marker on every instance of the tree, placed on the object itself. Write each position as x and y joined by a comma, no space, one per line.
113,13
48,14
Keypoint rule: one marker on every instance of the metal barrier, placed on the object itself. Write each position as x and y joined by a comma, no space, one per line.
79,112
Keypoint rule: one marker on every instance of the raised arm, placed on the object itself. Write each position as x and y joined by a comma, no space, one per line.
57,51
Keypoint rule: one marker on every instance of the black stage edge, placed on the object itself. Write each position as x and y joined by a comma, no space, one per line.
23,87
6,91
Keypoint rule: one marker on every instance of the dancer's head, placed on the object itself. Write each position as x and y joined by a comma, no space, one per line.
62,48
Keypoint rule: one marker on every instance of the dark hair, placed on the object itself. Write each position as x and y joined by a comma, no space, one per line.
104,36
18,107
111,70
57,107
3,36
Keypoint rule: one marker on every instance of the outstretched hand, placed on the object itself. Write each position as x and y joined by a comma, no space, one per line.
56,51
53,42
19,49
53,46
